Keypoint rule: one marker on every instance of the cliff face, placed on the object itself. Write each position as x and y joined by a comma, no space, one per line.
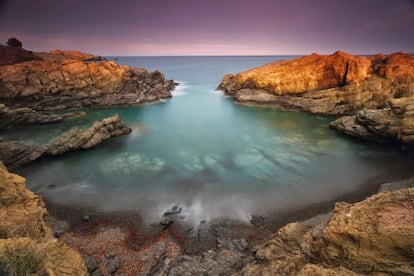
72,83
23,230
372,236
335,84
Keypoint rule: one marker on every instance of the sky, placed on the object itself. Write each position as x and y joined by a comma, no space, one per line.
210,27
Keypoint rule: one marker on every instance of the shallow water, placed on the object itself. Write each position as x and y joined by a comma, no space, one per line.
206,154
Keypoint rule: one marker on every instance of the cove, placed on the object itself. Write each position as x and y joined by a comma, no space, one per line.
204,153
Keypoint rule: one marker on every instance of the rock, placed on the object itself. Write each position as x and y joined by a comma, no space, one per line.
229,257
392,124
72,83
91,263
23,230
59,54
24,116
113,265
15,154
368,237
335,84
174,210
12,55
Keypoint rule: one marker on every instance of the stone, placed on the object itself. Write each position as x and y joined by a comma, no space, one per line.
91,263
325,84
23,228
25,116
16,154
394,124
373,236
72,83
113,265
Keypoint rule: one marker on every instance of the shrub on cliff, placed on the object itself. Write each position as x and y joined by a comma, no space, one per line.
14,42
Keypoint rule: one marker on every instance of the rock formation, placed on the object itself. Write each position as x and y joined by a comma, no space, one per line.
375,236
15,154
23,231
336,84
71,83
24,116
68,54
391,124
13,55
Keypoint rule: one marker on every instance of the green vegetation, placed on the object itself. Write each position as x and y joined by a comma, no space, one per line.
21,261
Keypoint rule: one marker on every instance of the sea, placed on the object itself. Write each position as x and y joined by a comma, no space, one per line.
205,154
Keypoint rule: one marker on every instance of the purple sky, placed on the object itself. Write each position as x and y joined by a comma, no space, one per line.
210,27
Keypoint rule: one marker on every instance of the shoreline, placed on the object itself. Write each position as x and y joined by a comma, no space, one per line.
82,220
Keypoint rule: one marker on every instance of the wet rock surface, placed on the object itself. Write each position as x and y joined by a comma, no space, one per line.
16,154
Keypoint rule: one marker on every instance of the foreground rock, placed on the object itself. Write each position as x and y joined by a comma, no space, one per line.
392,124
16,154
72,83
372,236
336,84
24,235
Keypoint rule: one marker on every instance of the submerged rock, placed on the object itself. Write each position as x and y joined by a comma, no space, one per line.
16,154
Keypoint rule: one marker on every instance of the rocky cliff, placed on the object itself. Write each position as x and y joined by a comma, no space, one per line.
26,242
16,154
336,84
72,83
375,237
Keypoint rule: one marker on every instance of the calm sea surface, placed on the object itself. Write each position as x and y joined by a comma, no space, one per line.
204,153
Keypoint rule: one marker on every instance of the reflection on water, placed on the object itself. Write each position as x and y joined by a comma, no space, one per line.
202,152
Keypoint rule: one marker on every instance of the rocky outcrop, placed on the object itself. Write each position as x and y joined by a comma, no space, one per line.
10,118
68,54
392,124
336,84
24,232
372,236
15,154
12,55
24,116
72,83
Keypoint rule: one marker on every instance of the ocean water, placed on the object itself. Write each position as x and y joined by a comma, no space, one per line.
206,154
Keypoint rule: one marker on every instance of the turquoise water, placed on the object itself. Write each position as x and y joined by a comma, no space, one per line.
204,153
